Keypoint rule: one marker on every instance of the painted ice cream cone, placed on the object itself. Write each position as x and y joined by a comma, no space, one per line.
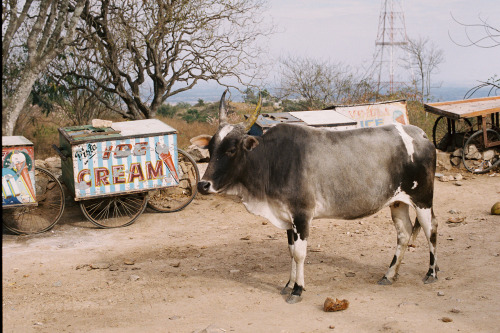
166,157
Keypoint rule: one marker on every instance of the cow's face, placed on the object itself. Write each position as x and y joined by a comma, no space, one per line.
228,151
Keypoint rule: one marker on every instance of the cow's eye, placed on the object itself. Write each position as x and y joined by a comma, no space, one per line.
231,152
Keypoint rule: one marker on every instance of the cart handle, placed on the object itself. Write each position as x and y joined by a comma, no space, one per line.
64,155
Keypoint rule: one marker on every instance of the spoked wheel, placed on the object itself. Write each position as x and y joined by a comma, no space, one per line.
34,219
175,198
476,157
442,138
114,212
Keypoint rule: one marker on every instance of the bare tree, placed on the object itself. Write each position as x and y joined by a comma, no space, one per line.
33,34
425,57
321,83
482,35
146,51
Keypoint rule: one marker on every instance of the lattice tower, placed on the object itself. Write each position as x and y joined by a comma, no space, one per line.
389,53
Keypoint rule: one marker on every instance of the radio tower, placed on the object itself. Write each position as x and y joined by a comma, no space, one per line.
391,37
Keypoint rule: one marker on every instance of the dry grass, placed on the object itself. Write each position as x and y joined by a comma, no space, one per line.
42,130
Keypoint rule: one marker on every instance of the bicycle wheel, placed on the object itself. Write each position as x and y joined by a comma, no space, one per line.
175,198
442,138
114,212
25,220
476,157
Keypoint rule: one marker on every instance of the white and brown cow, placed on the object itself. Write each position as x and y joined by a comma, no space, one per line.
293,174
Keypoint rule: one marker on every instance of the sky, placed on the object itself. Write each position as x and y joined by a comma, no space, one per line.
345,31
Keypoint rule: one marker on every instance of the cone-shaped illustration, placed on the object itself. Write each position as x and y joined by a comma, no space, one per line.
166,156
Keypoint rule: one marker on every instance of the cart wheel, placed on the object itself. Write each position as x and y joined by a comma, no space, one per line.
476,157
175,198
40,218
441,137
114,212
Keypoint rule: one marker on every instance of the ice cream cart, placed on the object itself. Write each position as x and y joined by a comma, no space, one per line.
112,171
32,197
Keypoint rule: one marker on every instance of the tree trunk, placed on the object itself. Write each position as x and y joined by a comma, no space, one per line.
15,103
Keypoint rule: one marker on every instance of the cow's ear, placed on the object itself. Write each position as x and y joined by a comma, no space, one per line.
201,141
250,142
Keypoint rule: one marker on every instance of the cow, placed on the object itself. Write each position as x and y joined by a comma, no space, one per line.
295,173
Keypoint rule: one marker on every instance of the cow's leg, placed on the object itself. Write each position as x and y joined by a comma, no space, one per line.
429,225
300,235
414,232
401,218
291,282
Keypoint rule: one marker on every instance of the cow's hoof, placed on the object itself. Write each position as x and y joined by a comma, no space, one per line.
292,299
286,291
430,279
384,281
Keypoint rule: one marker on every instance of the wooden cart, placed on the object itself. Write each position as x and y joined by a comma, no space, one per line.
472,124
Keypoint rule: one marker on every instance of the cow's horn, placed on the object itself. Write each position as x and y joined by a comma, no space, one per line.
222,109
253,118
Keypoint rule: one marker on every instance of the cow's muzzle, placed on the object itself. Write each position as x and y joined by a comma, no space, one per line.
204,187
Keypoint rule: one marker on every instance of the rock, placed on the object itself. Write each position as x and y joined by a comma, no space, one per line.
445,178
453,211
446,320
489,154
458,153
53,162
134,277
495,209
198,154
458,176
455,310
234,271
458,183
129,262
443,160
57,284
350,274
331,305
455,161
440,293
41,164
176,264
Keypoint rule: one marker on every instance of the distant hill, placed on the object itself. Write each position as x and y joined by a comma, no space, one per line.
212,93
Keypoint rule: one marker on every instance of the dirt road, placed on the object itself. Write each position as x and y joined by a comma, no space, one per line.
215,267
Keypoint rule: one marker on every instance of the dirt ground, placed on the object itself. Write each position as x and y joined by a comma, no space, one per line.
214,267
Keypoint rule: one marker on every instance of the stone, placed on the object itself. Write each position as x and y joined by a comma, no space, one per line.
446,320
443,160
455,161
458,153
350,274
440,293
134,277
458,176
53,162
489,154
41,164
198,154
458,183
